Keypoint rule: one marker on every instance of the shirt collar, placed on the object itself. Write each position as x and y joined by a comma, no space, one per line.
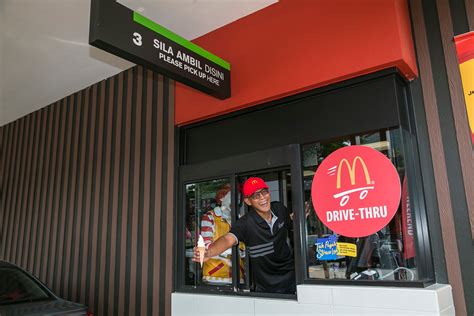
260,220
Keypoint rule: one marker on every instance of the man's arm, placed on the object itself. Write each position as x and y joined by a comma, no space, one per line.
216,248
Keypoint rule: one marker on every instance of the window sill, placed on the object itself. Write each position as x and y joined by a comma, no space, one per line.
322,299
376,283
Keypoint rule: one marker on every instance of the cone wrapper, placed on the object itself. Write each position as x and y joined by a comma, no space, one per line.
202,249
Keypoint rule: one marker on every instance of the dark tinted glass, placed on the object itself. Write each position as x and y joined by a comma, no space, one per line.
16,287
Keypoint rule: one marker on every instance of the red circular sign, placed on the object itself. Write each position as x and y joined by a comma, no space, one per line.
356,191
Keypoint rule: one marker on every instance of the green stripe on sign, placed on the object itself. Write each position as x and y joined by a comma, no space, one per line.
137,17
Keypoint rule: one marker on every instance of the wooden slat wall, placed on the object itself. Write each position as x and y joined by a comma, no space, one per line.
86,187
470,13
458,106
433,106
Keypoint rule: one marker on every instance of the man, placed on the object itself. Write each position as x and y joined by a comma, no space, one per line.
264,230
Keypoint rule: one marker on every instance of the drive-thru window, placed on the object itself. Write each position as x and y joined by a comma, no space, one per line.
285,144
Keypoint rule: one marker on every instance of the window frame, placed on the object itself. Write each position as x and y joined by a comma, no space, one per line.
422,264
273,159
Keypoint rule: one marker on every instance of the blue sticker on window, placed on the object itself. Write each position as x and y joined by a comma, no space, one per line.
326,248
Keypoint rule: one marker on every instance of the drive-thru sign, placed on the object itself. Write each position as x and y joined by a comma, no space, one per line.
356,191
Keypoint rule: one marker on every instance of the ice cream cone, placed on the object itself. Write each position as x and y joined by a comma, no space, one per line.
202,249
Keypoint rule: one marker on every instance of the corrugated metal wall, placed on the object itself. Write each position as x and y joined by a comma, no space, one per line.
87,194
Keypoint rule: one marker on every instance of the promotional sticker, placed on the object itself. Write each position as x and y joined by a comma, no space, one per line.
326,248
407,224
346,249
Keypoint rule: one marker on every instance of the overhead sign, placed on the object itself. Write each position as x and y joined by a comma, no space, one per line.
356,191
130,35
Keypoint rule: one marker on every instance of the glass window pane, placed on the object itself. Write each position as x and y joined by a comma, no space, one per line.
16,286
279,183
388,254
208,213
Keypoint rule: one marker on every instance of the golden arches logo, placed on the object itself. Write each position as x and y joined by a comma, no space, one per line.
254,182
351,169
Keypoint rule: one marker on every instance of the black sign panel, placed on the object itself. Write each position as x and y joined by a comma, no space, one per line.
127,34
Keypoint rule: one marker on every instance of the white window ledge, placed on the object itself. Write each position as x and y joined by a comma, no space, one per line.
324,300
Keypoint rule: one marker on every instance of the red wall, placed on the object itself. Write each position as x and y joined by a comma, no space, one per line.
298,45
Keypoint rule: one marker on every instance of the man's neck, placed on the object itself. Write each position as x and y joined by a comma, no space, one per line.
265,215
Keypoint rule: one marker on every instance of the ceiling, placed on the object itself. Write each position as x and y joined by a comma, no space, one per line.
44,50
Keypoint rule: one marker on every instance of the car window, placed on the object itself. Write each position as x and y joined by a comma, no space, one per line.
16,287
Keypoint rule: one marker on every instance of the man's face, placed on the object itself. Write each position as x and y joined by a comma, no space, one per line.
259,200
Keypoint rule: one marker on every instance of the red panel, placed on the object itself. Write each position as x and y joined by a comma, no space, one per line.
298,45
465,46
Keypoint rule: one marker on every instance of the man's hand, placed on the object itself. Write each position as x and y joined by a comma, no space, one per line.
307,209
216,248
196,256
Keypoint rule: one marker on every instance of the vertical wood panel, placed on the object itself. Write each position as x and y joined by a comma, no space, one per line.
20,190
4,153
3,136
53,217
105,195
439,162
59,258
135,192
101,209
126,168
158,197
51,177
2,169
96,194
47,193
147,113
24,189
69,212
170,201
31,189
8,196
37,209
84,273
110,277
79,195
72,209
83,202
13,233
6,188
141,195
466,154
470,13
6,209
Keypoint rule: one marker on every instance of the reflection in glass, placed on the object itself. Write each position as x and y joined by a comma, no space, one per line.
386,255
208,213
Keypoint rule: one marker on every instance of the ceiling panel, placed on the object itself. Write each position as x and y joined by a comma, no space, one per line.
44,50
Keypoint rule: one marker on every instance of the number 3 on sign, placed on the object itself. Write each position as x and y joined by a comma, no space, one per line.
137,40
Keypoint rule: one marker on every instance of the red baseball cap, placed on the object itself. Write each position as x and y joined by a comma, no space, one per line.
253,184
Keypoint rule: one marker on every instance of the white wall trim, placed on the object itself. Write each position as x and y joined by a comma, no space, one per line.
324,300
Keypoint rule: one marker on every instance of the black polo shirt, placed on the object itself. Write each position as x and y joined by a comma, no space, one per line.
270,255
